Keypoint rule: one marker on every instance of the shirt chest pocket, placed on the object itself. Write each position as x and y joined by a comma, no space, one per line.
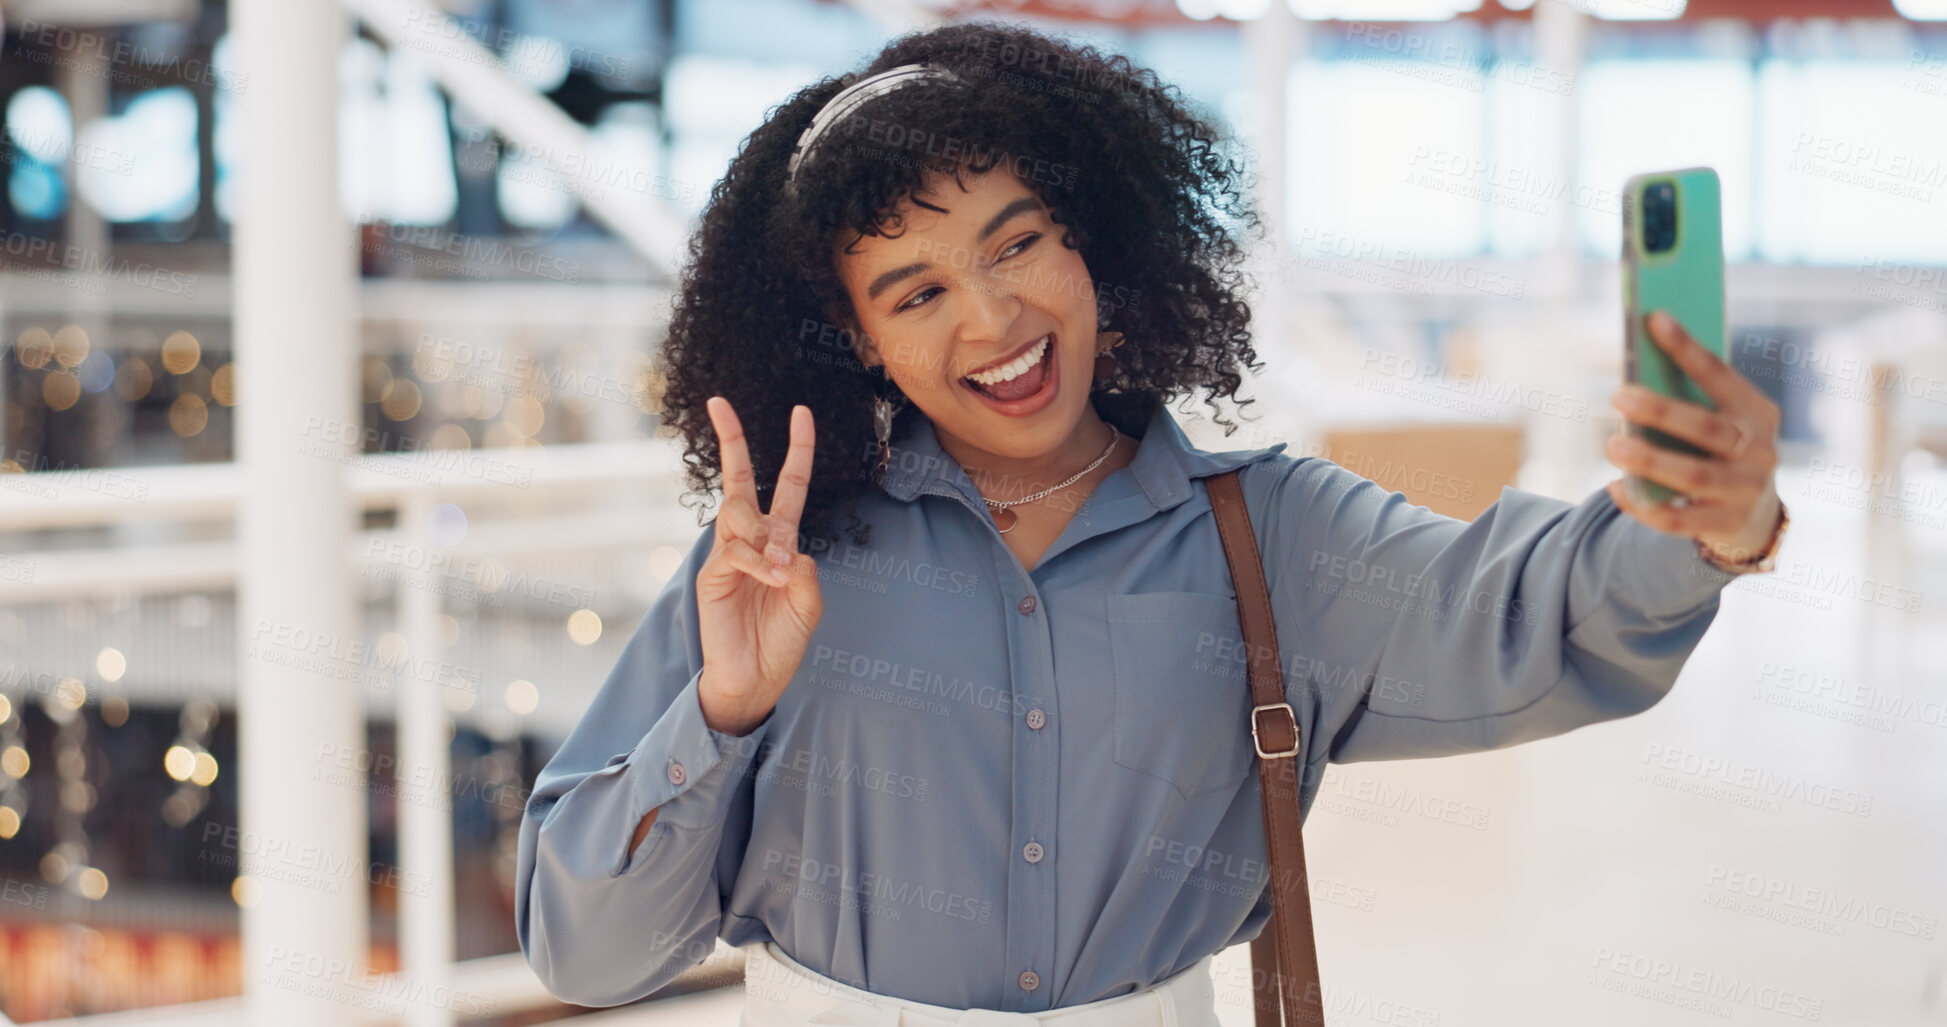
1182,698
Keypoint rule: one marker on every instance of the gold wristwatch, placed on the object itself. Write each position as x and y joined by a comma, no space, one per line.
1758,563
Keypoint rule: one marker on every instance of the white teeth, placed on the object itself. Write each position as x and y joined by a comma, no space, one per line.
1013,368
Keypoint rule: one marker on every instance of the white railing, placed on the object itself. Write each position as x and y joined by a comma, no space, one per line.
166,500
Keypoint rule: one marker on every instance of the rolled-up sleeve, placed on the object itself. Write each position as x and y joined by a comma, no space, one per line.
642,745
1417,634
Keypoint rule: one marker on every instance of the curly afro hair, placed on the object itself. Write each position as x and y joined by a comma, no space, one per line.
1146,188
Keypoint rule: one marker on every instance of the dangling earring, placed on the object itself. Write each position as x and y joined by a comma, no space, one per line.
1105,365
883,411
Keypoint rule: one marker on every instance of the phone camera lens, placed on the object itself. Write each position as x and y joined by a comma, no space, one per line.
1659,217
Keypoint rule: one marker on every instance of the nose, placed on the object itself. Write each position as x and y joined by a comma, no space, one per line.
991,309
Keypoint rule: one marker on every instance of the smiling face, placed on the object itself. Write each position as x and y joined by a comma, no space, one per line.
978,282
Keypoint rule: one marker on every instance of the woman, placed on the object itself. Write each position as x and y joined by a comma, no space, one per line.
985,746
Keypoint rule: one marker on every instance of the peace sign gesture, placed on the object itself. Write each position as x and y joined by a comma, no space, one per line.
757,597
1733,504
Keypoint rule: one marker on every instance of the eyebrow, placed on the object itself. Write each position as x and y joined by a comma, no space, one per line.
900,274
1023,203
892,278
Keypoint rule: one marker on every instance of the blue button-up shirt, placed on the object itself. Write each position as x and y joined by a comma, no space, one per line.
994,787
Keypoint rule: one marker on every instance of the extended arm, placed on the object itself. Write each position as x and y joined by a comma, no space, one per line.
1413,634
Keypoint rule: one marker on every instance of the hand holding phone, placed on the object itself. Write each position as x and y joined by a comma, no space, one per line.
1701,450
1672,260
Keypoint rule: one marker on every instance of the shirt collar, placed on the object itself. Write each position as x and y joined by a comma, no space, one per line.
1164,464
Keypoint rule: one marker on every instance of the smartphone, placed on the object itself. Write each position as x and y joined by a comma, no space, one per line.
1672,260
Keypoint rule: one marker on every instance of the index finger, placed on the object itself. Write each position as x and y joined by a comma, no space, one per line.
732,452
1733,392
794,480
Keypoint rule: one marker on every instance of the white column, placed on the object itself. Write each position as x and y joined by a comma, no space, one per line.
1559,453
425,801
1560,40
1270,45
1272,42
294,269
614,418
84,82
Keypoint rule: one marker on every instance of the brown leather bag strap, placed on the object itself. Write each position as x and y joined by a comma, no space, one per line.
1284,956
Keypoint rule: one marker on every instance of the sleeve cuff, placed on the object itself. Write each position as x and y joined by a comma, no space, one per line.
1663,571
686,769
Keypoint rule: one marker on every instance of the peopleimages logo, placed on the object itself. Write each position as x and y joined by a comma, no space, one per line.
892,135
1747,781
1496,392
921,680
337,981
307,864
117,58
413,459
878,888
1409,801
1684,984
820,774
96,269
1824,909
1840,698
1415,586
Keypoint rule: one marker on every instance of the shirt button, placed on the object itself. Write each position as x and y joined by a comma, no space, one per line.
1030,980
1031,852
1037,719
677,775
1026,605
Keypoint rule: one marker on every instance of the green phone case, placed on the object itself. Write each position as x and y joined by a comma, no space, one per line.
1687,280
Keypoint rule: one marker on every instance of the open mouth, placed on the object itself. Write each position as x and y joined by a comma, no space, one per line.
1018,379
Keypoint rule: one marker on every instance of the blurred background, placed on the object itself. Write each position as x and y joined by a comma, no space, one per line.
396,430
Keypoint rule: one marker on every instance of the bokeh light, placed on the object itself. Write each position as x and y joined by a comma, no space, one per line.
374,376
179,762
70,693
134,379
34,348
188,415
204,770
448,525
460,697
70,346
522,697
400,399
449,436
584,627
223,385
60,389
524,415
181,352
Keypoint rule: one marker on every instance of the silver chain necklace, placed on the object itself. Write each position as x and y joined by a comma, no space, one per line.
1000,506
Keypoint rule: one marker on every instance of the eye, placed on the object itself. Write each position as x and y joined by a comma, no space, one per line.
921,298
1020,247
918,300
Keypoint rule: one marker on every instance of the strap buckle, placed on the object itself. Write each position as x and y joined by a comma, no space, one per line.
1259,744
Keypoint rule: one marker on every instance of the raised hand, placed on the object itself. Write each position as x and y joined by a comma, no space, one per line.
1733,504
757,597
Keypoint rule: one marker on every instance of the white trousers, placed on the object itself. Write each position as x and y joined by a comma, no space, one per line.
781,992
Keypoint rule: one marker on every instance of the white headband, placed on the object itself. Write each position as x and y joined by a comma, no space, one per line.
850,99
